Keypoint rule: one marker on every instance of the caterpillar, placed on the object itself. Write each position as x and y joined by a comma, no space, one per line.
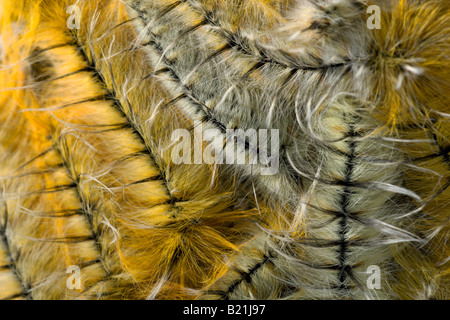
92,92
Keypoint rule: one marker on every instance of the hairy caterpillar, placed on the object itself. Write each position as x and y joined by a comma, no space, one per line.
86,171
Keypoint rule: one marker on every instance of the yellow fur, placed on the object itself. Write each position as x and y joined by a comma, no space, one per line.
86,176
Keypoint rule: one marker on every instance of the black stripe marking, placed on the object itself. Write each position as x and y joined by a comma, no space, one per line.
344,202
118,106
26,289
246,276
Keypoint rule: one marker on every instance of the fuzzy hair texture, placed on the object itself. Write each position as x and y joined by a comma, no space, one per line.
87,178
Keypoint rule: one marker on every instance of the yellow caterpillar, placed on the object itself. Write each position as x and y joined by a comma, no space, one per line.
93,92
